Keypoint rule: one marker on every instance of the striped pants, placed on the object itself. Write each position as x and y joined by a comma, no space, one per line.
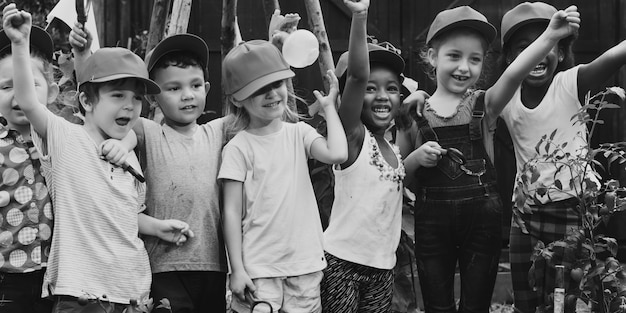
350,288
548,222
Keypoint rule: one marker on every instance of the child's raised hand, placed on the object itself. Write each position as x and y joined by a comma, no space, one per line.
565,22
80,38
114,151
16,24
281,26
174,231
330,99
240,284
357,6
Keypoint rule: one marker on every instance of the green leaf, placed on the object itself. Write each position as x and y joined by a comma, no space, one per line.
558,184
534,177
552,134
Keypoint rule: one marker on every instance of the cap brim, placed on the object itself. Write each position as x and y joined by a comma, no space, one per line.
261,82
151,87
487,30
509,33
175,43
39,39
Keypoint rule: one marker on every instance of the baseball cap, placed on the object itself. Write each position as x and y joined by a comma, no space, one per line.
107,64
252,65
463,16
178,43
39,38
377,54
525,13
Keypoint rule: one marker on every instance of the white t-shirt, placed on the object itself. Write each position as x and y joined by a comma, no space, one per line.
282,231
366,219
555,111
95,244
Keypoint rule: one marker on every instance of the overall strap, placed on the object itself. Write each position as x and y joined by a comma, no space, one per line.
424,128
475,125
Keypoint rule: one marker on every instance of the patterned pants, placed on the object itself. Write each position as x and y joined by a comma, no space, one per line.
548,222
350,288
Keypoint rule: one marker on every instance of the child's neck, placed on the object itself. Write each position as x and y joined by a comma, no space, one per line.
183,129
532,96
264,127
444,102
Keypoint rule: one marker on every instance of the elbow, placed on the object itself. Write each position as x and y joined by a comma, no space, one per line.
339,157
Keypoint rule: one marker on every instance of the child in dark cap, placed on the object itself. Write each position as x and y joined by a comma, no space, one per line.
95,248
26,217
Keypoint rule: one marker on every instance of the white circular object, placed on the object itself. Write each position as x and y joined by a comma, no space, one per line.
301,48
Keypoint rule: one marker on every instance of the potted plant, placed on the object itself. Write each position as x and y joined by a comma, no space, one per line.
592,274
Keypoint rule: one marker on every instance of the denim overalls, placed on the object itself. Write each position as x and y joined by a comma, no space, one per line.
458,218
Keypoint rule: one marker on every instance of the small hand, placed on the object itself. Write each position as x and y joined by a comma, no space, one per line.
80,38
16,24
565,22
175,231
240,284
429,154
357,6
330,100
114,151
281,26
415,103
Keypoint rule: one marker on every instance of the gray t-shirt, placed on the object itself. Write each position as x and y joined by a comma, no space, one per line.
181,177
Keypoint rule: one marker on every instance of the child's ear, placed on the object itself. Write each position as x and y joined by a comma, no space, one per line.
432,57
85,102
53,92
207,87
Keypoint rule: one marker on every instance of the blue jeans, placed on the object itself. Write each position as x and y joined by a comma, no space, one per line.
458,224
22,293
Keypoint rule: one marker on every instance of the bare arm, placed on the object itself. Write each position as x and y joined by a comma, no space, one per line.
173,231
80,39
23,79
562,24
593,76
233,208
358,71
334,149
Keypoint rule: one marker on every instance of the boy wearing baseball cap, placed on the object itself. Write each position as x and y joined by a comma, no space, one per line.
193,276
25,210
95,249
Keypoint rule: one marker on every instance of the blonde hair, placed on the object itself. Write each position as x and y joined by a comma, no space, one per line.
239,119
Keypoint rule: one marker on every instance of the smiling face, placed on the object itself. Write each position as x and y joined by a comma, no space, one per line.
183,94
458,61
9,108
267,105
543,73
382,98
116,109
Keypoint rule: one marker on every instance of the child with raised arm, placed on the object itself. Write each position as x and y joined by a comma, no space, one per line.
458,210
95,246
182,160
26,217
546,100
271,222
364,227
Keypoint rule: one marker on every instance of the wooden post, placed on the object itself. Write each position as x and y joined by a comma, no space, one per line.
229,26
269,6
157,22
179,20
99,13
316,23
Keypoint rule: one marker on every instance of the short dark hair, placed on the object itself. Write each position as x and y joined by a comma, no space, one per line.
182,59
92,90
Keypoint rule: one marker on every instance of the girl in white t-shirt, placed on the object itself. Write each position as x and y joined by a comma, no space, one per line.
548,97
272,226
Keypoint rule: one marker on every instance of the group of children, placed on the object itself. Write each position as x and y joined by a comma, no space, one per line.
235,194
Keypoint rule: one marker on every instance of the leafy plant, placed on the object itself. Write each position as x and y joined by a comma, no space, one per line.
94,304
593,275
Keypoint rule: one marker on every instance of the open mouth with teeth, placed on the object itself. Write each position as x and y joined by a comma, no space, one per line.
272,105
460,78
539,70
188,107
382,111
122,121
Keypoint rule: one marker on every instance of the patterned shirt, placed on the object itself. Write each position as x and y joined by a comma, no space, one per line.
25,207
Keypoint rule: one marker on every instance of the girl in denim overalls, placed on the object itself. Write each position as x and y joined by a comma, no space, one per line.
458,210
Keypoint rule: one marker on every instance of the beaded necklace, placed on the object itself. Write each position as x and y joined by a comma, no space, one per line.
387,172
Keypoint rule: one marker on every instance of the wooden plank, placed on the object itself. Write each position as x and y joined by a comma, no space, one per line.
110,28
316,23
124,23
158,18
181,10
98,8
